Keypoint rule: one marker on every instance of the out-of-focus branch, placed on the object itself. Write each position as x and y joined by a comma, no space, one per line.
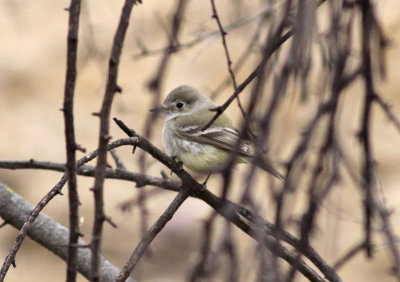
263,12
155,85
111,89
151,234
50,234
274,44
349,255
365,135
72,54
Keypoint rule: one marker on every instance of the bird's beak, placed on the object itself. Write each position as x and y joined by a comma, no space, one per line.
159,109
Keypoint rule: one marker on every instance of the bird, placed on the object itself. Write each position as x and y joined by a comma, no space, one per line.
202,150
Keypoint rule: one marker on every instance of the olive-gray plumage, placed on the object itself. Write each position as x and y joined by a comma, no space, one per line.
186,112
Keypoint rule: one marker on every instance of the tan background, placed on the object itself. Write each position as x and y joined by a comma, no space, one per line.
32,71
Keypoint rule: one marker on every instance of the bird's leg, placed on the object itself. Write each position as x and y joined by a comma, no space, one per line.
178,161
205,181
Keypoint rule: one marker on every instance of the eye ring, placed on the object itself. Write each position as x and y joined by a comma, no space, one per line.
179,105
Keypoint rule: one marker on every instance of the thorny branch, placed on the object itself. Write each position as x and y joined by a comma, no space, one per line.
227,55
71,146
151,234
111,89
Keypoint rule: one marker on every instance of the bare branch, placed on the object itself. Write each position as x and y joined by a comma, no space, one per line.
155,85
349,255
227,55
72,54
151,234
50,234
111,89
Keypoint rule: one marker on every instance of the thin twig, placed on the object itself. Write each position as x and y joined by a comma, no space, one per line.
273,46
118,162
155,85
227,55
264,12
151,234
349,255
387,110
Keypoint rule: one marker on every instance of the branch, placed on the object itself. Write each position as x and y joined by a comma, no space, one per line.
50,234
111,88
151,234
264,12
88,170
70,81
272,47
367,170
155,86
227,55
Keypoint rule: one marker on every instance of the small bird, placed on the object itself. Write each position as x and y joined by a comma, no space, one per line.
186,113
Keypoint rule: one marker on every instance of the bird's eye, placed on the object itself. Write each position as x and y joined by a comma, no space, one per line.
179,105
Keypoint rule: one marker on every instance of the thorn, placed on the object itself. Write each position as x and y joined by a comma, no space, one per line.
118,88
154,83
108,219
13,263
58,192
164,175
96,114
61,109
107,137
205,181
133,150
66,9
3,224
80,148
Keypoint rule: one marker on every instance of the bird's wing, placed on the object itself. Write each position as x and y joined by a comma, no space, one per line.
220,134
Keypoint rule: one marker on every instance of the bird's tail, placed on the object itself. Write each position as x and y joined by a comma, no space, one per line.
268,167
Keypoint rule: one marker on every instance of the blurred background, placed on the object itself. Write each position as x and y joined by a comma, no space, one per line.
32,74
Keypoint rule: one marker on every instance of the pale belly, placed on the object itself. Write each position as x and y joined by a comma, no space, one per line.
201,158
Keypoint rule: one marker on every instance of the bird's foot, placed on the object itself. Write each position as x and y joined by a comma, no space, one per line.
204,184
